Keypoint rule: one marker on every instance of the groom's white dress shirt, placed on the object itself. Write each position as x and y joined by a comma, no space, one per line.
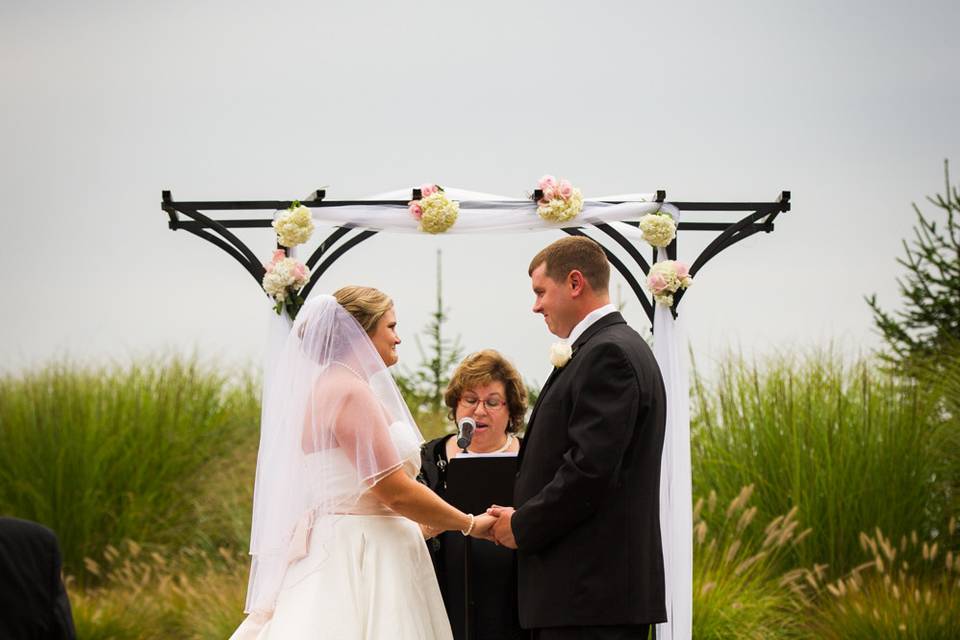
588,320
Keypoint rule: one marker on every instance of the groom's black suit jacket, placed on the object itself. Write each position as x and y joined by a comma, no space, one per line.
587,491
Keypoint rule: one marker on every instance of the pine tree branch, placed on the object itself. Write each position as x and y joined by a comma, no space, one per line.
930,287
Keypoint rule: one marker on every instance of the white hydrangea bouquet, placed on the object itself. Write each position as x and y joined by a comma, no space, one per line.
659,229
666,278
294,225
434,211
283,280
561,200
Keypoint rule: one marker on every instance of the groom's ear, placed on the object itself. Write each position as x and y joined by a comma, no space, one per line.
576,282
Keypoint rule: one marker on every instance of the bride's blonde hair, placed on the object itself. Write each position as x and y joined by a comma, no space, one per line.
366,304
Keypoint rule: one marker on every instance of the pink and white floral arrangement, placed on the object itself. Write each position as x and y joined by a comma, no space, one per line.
561,201
434,211
666,278
283,280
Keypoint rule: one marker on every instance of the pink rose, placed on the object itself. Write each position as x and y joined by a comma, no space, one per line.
415,210
682,270
268,266
657,283
550,192
278,255
565,189
545,182
427,190
299,272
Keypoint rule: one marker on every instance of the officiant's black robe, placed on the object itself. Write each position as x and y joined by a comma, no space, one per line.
587,491
493,573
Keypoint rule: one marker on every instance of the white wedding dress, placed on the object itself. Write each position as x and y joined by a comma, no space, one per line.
370,578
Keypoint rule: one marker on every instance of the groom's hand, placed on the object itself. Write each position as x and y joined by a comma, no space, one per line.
502,531
483,527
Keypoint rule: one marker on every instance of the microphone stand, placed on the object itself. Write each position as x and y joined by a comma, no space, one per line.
467,562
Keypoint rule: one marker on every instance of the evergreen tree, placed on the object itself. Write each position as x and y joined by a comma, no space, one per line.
930,318
426,384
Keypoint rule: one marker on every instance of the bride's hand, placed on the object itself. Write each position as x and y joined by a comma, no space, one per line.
482,527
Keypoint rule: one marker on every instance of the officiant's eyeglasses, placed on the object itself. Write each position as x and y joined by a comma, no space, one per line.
492,404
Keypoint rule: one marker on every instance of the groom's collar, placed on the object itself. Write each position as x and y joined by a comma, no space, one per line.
589,320
603,322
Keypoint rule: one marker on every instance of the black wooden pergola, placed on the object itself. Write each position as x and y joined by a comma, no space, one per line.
197,218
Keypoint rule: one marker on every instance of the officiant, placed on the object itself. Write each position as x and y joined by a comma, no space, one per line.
488,389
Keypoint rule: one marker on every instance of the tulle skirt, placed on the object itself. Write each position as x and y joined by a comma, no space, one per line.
376,582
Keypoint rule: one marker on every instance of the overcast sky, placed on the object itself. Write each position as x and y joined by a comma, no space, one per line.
850,105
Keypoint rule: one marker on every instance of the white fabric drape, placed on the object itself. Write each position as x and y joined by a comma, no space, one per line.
676,491
481,213
278,327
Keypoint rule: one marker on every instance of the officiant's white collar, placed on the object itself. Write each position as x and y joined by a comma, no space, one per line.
588,320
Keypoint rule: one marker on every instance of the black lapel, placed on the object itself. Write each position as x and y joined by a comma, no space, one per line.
604,322
533,414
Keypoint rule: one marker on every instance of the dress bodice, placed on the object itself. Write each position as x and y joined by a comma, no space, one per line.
336,483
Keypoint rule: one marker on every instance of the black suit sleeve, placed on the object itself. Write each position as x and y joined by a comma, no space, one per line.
603,411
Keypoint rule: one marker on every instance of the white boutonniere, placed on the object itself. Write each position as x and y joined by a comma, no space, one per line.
560,353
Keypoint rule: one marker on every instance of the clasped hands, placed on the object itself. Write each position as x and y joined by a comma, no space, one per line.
494,525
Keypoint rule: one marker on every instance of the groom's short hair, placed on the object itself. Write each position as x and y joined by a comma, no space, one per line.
575,253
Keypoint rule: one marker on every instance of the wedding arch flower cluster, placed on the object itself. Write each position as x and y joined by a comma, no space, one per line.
561,200
294,226
659,228
434,211
666,278
283,280
285,276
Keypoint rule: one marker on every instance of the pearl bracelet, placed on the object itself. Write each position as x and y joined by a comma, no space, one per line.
469,528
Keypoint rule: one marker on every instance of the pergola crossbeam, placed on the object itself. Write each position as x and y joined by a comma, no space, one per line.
760,217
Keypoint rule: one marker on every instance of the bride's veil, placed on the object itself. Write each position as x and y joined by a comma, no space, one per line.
333,423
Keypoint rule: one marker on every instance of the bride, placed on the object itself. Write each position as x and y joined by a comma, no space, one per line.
336,545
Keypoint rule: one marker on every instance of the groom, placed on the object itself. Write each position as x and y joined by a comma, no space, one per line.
587,520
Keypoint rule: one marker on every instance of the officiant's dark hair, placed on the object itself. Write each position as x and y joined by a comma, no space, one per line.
575,253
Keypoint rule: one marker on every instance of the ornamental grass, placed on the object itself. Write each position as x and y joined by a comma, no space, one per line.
158,594
738,586
850,446
906,589
146,452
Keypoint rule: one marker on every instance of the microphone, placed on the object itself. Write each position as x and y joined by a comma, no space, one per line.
465,427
